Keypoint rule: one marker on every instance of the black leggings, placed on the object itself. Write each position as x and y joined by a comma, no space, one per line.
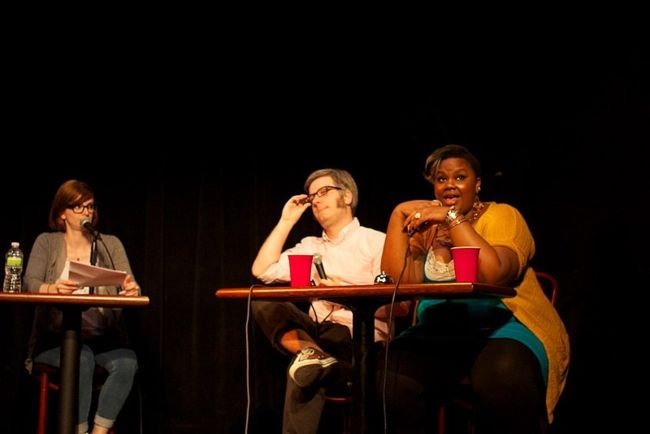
424,372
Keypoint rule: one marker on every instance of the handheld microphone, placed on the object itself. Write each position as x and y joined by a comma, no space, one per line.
422,227
88,226
318,263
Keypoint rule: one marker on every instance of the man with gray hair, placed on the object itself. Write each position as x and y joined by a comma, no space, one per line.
319,342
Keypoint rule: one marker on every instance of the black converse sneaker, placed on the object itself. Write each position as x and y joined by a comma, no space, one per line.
309,365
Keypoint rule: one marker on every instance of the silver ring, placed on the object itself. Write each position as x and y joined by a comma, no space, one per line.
417,215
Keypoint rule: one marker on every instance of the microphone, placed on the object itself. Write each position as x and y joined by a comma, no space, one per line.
422,227
88,226
318,263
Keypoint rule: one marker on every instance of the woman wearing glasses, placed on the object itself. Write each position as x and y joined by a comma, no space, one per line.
103,334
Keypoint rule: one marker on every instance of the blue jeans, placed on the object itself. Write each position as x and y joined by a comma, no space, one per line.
121,365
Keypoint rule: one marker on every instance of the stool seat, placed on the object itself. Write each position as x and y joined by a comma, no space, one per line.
339,399
342,397
48,378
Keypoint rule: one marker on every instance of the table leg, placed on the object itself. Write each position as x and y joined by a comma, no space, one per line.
364,337
69,370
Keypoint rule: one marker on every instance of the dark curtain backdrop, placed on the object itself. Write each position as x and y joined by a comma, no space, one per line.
193,180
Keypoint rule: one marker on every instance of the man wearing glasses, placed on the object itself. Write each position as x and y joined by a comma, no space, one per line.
320,342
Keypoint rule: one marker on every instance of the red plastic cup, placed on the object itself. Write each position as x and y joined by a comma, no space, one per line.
300,270
465,263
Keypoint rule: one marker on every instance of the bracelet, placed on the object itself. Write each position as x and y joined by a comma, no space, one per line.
452,214
458,221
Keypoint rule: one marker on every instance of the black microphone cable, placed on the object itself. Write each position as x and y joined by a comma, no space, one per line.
119,289
390,327
110,258
87,225
318,322
248,356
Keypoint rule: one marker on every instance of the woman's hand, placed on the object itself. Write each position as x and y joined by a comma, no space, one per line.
130,287
421,214
63,286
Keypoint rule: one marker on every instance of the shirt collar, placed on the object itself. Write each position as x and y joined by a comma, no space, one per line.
353,225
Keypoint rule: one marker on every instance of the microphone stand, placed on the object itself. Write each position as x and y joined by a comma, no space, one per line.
93,257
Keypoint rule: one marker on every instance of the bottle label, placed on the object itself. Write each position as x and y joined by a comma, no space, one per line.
14,261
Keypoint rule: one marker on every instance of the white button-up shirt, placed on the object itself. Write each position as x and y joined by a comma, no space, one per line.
354,258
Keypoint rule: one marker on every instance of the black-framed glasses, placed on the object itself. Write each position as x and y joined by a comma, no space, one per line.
321,192
79,209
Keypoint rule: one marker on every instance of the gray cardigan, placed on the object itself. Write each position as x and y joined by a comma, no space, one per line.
45,264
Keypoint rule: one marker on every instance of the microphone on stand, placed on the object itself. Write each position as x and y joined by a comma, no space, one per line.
88,226
318,263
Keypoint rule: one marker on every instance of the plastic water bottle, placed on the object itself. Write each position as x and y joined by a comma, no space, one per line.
13,269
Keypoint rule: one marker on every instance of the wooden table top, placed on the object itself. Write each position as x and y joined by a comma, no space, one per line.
94,300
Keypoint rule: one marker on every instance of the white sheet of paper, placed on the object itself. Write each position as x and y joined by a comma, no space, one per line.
89,275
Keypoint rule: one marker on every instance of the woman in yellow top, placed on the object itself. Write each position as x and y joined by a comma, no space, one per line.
515,350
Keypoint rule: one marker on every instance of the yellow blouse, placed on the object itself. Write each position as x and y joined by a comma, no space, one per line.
503,225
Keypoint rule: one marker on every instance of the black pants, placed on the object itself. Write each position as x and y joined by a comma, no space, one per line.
302,407
424,371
